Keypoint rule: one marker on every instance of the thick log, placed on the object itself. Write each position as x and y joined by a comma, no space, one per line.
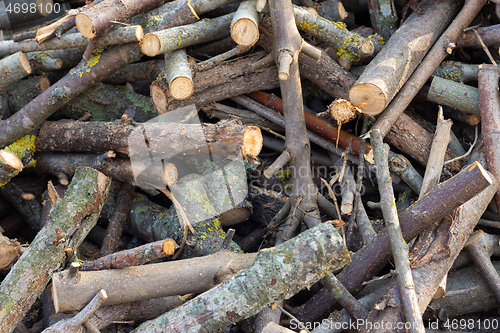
217,83
68,225
167,139
368,261
245,24
397,60
253,288
13,69
189,276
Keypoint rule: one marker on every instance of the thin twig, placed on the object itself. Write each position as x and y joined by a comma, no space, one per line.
467,153
485,48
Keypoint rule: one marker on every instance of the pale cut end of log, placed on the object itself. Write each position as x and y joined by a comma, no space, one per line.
24,63
473,119
44,7
139,33
181,88
234,216
245,32
252,142
158,98
150,45
368,97
169,246
346,208
85,25
170,174
342,12
11,160
342,111
367,49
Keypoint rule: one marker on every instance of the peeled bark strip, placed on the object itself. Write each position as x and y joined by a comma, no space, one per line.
180,37
13,69
276,274
69,223
391,68
189,276
245,24
456,95
437,54
96,20
165,138
489,102
217,83
368,261
383,17
399,247
178,74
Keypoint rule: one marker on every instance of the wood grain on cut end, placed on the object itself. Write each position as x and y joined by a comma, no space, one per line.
342,12
368,48
252,142
158,98
234,216
139,33
44,83
346,209
169,246
24,62
150,45
11,160
473,119
181,88
170,174
245,32
368,97
85,25
44,7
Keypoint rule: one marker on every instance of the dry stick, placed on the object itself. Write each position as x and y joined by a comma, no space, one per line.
488,242
245,24
210,63
13,69
179,277
69,223
344,297
74,324
403,168
489,36
253,288
482,260
398,244
95,20
55,29
117,220
83,76
178,74
438,52
180,37
383,17
453,94
392,67
371,259
490,114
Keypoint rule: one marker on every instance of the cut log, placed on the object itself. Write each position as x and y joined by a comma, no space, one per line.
245,24
453,94
13,69
178,74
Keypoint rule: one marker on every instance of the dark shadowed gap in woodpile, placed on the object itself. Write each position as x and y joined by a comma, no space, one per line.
202,166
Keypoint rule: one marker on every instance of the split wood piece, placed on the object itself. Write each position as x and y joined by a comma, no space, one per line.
399,247
325,72
178,74
10,165
428,277
411,138
391,68
436,157
119,35
314,123
482,260
489,36
153,222
171,39
75,324
55,29
245,24
63,166
225,137
69,223
17,11
30,210
457,71
222,111
189,276
133,257
10,252
491,243
96,20
436,55
372,258
230,301
117,220
351,48
217,83
13,69
489,102
403,168
453,94
384,18
467,292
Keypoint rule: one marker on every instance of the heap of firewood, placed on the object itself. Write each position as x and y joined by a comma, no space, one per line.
152,179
